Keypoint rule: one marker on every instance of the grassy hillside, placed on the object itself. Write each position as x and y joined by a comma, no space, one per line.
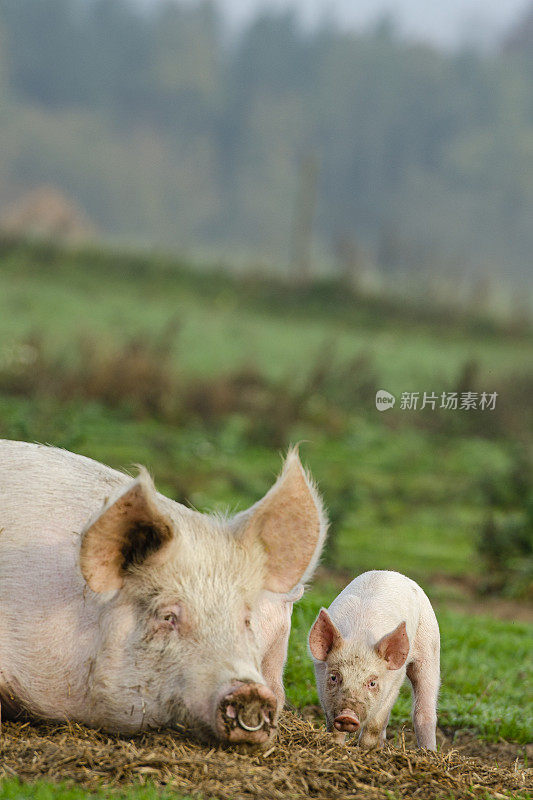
413,345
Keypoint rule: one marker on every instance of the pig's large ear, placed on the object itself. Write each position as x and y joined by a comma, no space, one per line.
394,647
129,530
323,636
291,524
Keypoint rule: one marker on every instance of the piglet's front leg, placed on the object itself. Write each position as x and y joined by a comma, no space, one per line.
339,737
374,734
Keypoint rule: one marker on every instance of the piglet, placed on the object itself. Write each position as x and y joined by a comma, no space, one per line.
379,629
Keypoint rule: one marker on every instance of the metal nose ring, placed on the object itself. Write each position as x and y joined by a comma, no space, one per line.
248,727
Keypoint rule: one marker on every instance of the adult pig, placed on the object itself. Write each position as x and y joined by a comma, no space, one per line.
122,609
380,628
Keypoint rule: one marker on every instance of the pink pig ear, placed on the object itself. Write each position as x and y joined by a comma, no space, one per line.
394,647
323,636
129,530
290,524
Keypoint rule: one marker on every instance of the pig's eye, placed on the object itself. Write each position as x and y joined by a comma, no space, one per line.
248,622
372,684
334,678
171,618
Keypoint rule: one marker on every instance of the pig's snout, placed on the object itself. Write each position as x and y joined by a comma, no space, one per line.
247,713
346,721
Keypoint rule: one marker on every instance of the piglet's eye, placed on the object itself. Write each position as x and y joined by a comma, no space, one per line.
372,684
334,678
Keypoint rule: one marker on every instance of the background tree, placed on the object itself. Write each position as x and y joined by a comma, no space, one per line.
164,131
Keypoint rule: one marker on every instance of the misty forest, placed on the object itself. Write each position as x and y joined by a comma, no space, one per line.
163,130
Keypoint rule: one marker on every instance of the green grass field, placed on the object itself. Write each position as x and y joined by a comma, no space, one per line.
14,790
405,490
268,326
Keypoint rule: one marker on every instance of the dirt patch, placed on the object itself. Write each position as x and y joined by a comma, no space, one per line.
507,610
464,595
505,753
302,763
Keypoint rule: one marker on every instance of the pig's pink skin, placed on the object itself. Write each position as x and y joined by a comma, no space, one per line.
68,652
371,607
272,617
273,621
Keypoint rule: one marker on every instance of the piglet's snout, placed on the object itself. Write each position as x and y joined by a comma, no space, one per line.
346,721
247,713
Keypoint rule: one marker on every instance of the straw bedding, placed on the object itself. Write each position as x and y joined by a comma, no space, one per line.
303,762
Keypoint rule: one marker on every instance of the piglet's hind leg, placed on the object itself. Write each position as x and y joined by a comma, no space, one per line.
425,680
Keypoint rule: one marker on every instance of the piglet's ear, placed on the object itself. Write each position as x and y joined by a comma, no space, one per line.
323,636
394,647
130,530
290,524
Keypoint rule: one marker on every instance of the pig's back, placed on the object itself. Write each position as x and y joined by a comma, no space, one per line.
47,496
48,618
47,493
375,603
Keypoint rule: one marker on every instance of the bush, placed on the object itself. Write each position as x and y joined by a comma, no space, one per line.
506,538
142,377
